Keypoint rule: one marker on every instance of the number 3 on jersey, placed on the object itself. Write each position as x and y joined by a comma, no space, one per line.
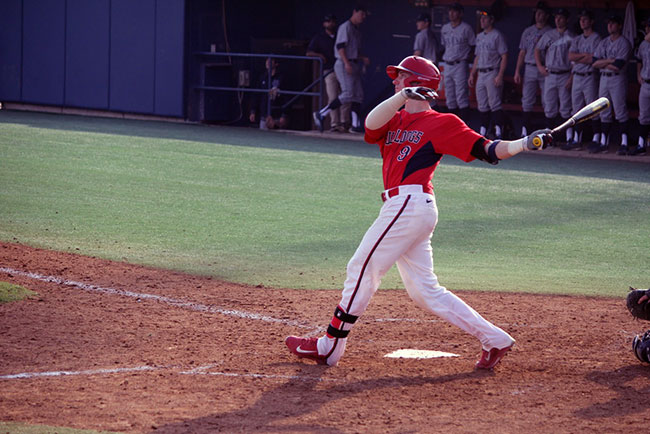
403,153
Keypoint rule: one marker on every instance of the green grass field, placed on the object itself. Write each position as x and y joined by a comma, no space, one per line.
10,292
288,211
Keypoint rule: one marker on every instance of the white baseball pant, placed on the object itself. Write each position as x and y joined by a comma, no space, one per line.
402,234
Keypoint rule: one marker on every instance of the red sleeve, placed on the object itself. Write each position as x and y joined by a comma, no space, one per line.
377,136
453,137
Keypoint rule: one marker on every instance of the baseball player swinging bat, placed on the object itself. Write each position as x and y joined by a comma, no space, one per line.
587,112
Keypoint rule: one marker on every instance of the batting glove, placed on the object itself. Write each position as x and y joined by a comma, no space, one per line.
419,93
539,139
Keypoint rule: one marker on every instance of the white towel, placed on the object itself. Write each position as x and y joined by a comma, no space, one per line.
629,24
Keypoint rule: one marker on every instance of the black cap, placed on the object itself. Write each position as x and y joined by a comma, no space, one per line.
562,11
457,7
543,6
361,7
616,19
586,13
329,17
423,17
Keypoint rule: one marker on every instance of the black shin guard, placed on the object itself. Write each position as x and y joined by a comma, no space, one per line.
335,329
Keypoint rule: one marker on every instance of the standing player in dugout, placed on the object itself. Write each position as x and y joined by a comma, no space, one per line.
412,141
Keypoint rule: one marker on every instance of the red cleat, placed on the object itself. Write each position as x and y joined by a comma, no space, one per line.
489,359
305,348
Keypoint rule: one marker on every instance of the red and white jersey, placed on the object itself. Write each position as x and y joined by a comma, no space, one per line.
412,145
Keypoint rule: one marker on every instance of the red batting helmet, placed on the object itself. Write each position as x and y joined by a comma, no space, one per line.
422,70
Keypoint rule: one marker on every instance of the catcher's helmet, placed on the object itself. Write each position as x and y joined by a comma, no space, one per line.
641,346
423,72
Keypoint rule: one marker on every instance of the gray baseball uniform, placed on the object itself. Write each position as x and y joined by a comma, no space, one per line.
644,96
489,49
584,88
613,85
351,86
555,48
533,79
427,44
457,42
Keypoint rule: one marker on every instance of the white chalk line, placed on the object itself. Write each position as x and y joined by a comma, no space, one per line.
66,373
190,305
200,370
205,308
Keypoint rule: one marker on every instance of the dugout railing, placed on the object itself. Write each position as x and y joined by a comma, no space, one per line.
210,59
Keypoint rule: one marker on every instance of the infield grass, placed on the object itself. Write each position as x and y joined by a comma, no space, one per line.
10,292
288,211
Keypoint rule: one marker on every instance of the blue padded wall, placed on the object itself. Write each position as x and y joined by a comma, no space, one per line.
132,55
170,18
121,55
11,28
87,61
43,51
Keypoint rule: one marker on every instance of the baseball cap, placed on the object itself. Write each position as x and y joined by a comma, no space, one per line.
423,17
615,18
586,13
543,6
456,6
361,7
562,11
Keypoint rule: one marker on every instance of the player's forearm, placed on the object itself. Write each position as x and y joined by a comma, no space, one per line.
504,63
520,61
602,63
576,57
507,148
384,111
343,56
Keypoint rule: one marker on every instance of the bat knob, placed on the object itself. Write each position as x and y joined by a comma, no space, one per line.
537,142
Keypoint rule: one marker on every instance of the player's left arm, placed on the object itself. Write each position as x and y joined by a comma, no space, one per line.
498,80
497,150
472,73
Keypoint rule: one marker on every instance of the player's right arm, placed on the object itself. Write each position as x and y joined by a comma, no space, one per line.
384,111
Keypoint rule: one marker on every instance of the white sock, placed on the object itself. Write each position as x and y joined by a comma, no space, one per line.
497,130
355,119
623,139
603,139
569,134
524,132
596,138
576,136
641,142
483,130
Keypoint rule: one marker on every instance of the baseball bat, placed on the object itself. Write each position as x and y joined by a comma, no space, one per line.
587,112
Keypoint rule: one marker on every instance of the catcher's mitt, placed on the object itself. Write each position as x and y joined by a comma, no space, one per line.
639,310
641,346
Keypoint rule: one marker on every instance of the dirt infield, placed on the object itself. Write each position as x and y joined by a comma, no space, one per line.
113,346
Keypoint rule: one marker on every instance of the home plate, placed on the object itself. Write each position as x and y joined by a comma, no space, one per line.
419,354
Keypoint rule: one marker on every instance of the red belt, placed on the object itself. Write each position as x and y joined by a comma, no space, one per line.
405,189
389,193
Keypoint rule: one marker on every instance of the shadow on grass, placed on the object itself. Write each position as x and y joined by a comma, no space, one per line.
253,137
